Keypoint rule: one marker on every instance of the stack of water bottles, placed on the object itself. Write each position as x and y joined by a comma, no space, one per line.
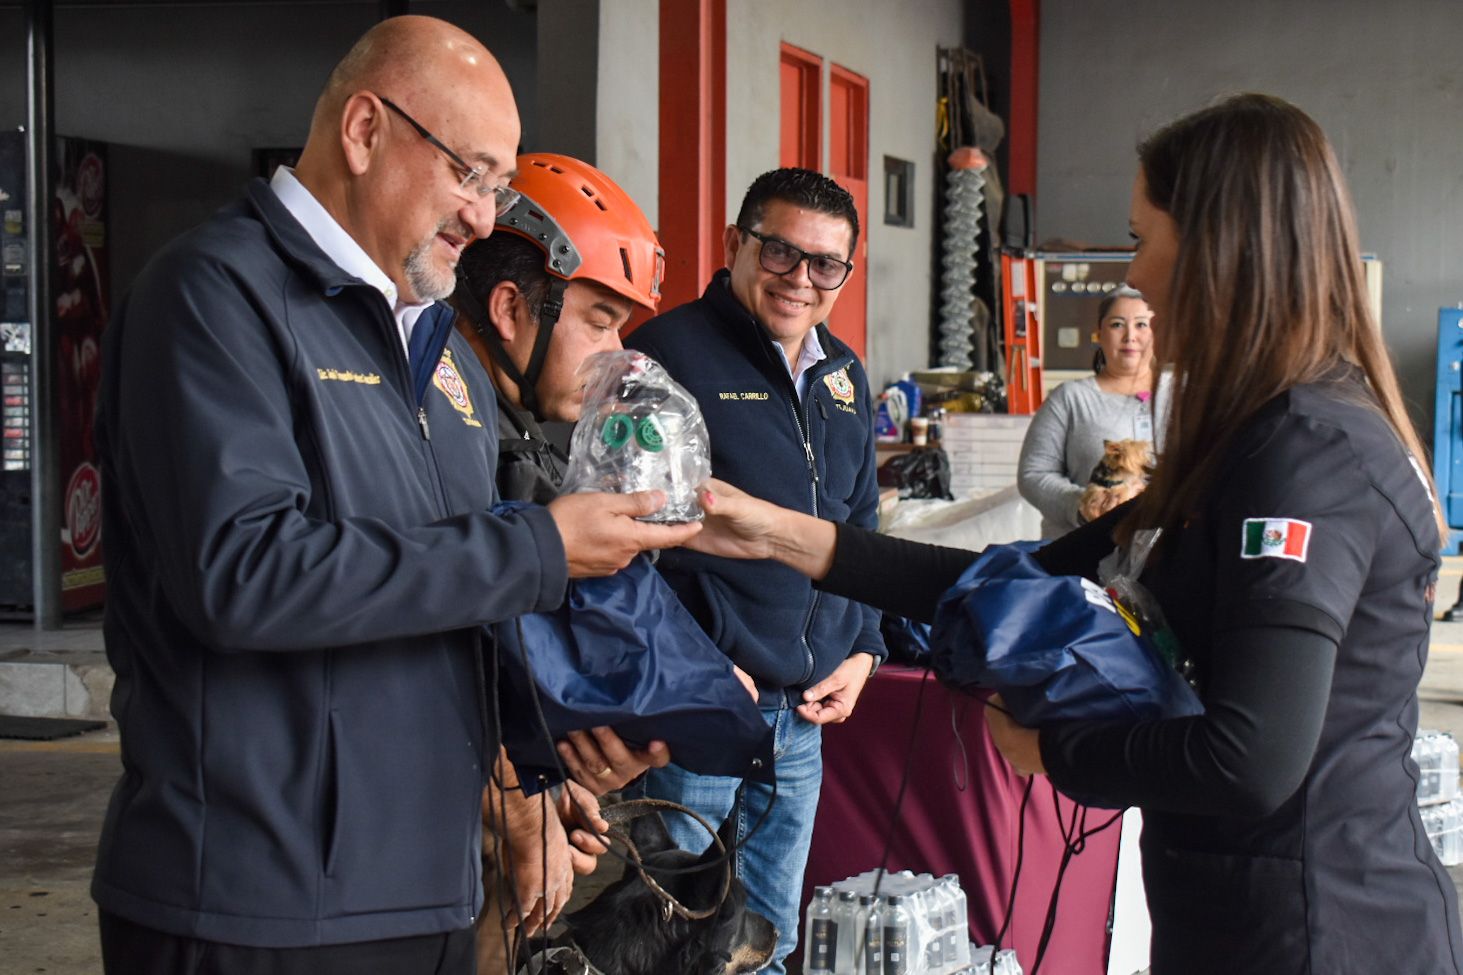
1436,755
915,926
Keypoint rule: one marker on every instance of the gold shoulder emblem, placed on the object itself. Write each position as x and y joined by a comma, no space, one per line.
446,378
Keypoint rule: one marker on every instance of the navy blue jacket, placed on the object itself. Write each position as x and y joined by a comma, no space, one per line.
816,456
299,560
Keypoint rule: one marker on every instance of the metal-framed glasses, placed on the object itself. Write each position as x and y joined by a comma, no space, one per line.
825,272
474,182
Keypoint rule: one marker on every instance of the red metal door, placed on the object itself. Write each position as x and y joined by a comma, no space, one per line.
692,147
848,163
802,109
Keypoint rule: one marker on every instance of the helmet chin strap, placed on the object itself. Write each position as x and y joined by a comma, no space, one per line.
548,316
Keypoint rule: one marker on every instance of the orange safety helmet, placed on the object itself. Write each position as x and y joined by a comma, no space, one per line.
588,228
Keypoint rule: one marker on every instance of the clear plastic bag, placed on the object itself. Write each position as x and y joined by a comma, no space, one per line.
639,430
1118,574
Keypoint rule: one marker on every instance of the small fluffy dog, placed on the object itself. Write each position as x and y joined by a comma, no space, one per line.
626,930
1122,473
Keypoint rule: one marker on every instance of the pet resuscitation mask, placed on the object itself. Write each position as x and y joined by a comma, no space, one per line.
639,430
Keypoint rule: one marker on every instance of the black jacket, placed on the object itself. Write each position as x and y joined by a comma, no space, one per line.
531,467
815,456
300,560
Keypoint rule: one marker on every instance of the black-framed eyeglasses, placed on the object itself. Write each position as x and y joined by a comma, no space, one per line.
825,272
474,178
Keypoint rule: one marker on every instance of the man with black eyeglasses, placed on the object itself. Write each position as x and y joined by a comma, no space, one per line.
299,455
791,420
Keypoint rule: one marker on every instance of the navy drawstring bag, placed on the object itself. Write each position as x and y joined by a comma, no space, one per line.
1055,647
622,651
908,640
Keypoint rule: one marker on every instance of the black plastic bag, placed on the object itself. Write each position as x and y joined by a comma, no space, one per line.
923,473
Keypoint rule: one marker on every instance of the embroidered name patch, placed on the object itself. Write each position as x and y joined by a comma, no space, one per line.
1275,538
742,396
348,376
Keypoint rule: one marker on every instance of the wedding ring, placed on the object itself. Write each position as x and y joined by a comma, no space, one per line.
604,771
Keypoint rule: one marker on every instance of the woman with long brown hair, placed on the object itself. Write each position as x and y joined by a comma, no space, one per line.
1295,564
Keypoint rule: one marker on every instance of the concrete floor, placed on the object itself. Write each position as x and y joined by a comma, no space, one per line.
53,795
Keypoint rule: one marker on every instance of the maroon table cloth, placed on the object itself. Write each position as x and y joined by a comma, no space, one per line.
960,815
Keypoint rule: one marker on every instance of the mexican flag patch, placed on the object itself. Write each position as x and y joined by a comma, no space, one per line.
1275,538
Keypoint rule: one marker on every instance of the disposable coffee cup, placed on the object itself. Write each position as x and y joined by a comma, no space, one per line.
919,430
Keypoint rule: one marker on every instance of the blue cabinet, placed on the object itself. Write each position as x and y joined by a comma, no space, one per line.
1448,422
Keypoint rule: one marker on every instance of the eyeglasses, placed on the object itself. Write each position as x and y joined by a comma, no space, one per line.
826,273
474,178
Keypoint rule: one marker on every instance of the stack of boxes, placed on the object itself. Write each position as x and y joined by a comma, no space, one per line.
984,449
1436,755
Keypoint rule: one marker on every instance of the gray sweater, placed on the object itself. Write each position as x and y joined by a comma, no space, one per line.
1064,443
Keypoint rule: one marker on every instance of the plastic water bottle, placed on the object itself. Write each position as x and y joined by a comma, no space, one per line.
1447,747
1006,964
933,910
1429,759
845,916
1432,825
874,938
896,937
957,936
822,938
1451,839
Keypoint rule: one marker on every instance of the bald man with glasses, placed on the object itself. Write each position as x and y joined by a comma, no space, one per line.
791,420
299,455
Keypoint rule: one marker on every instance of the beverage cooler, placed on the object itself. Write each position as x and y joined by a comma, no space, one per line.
78,311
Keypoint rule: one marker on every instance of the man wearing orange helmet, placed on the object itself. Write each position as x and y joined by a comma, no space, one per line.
562,274
558,279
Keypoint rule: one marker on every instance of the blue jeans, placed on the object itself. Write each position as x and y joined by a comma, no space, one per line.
771,863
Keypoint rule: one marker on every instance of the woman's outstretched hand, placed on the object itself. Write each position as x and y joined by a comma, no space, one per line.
737,525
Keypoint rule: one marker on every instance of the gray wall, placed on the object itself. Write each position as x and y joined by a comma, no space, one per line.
627,102
568,53
1383,79
186,92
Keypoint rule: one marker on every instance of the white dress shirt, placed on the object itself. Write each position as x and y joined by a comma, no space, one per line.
812,353
342,248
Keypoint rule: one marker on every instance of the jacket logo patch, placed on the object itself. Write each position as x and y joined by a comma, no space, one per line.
742,396
1275,538
450,383
349,376
841,387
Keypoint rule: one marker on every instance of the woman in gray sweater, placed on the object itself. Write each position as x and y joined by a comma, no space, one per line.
1065,440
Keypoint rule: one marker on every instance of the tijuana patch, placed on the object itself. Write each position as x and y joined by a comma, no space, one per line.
840,386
